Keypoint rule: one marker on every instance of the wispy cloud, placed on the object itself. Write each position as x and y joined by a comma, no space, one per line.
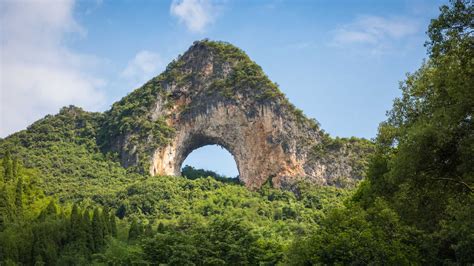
38,73
142,67
373,31
195,14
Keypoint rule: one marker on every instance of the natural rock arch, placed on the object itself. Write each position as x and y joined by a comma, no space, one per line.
214,94
250,140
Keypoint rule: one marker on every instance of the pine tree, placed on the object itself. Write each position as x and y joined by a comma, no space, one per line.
15,168
134,231
97,230
113,225
75,227
5,209
87,231
148,230
50,210
106,221
161,228
19,197
7,167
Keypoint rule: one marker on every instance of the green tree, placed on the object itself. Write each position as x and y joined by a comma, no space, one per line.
452,30
5,208
50,211
228,240
135,231
19,197
148,230
458,226
357,237
425,147
97,229
87,229
75,231
173,248
160,228
120,253
424,159
113,225
15,168
105,221
7,166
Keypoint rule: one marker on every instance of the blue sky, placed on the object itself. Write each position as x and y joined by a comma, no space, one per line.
338,61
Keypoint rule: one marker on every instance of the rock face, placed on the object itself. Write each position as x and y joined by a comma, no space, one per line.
214,94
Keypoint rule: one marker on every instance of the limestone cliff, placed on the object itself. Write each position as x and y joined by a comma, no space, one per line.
215,94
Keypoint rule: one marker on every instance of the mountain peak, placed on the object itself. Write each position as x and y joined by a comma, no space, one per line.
222,49
211,60
215,94
216,66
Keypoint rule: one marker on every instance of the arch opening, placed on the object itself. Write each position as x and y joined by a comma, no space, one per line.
210,160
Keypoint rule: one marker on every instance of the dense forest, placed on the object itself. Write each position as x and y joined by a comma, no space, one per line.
63,201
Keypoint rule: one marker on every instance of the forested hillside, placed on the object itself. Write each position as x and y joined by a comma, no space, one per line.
64,201
166,219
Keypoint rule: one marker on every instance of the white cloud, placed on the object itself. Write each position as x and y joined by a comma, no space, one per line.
195,14
38,73
142,67
374,30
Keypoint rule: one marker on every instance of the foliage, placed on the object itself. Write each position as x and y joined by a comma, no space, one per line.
63,148
356,150
35,229
193,173
170,220
352,235
424,164
120,253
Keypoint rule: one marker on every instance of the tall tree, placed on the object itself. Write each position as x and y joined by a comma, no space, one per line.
106,221
113,225
424,162
51,209
148,230
87,229
5,209
15,167
425,148
19,197
97,227
75,227
161,228
7,166
135,231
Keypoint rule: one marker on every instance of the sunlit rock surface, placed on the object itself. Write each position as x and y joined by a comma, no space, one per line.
214,94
